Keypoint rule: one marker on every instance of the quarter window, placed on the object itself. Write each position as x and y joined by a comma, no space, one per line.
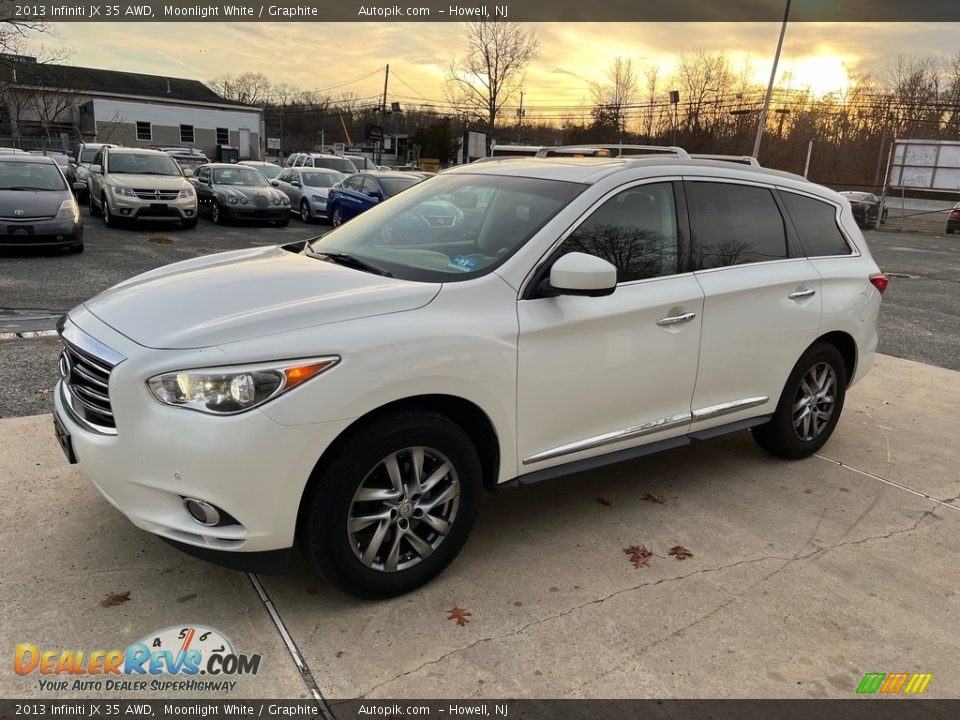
635,230
144,131
735,224
186,133
816,224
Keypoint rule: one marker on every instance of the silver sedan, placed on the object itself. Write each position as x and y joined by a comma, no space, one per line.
307,189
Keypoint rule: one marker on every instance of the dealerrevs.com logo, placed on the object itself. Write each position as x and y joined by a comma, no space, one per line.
189,659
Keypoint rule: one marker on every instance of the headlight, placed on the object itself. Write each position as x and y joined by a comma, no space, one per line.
319,199
232,199
124,192
233,389
276,200
69,209
187,192
243,200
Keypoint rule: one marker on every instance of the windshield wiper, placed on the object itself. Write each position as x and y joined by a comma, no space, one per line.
348,260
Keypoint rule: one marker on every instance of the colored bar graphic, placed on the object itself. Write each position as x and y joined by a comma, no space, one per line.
871,682
894,683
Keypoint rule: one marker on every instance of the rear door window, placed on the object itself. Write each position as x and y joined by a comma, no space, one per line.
735,224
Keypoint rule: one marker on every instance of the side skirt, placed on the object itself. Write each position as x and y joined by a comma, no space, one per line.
618,456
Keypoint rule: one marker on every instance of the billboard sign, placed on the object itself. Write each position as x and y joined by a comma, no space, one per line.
932,165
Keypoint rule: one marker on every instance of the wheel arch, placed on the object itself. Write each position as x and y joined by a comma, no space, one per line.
847,347
465,413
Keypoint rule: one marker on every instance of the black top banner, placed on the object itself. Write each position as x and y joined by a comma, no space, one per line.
509,10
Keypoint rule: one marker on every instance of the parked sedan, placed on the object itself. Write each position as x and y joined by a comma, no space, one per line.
236,192
268,169
37,207
953,221
364,190
308,189
866,208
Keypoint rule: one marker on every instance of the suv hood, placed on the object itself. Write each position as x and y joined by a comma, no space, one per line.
243,294
153,182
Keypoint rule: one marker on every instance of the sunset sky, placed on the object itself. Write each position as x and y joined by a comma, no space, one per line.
319,56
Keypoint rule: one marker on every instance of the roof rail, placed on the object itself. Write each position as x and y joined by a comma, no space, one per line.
741,159
615,150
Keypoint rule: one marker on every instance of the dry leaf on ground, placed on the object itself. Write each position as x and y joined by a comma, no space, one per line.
115,599
658,499
460,615
680,552
161,239
639,555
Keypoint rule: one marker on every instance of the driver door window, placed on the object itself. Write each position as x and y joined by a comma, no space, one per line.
635,230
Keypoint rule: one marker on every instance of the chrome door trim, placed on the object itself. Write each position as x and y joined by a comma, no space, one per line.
610,437
725,408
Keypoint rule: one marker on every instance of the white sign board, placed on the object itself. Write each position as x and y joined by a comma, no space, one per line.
925,165
273,143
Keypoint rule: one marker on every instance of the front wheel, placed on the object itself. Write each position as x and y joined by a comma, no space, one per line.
109,219
305,211
809,406
336,219
392,506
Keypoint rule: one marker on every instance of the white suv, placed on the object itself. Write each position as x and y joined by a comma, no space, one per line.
353,395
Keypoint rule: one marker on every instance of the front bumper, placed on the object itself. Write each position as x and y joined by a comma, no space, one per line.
247,465
953,224
42,233
136,209
247,212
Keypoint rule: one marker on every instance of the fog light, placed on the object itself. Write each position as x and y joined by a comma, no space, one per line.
124,211
188,213
203,512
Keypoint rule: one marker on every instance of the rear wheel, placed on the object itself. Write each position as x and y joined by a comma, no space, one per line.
809,406
392,505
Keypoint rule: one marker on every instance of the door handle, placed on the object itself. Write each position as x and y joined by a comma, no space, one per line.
800,294
676,319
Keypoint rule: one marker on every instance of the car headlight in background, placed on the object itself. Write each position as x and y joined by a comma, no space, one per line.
232,199
187,192
69,210
234,389
123,192
318,199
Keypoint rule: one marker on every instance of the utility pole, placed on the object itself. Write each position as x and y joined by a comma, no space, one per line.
520,113
383,115
773,77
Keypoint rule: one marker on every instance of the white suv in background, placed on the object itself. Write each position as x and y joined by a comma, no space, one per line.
353,395
139,184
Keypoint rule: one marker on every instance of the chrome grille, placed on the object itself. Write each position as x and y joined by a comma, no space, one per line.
85,368
157,195
261,201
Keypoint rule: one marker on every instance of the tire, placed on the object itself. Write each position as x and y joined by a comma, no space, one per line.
109,219
360,461
92,206
779,436
883,218
305,212
950,231
216,215
336,219
189,223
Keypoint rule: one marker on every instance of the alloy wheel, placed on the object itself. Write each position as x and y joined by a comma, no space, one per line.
304,211
215,213
403,509
815,400
335,220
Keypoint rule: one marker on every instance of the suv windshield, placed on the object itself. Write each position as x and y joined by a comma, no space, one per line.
451,228
30,176
247,177
137,164
341,164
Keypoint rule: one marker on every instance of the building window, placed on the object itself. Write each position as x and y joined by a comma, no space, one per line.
223,136
186,133
144,131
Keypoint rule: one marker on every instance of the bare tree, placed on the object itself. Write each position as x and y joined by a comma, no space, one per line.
704,78
492,71
248,88
612,98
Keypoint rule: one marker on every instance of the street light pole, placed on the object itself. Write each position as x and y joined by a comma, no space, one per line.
773,77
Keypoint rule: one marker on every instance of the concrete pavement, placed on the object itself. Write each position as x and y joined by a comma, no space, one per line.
804,575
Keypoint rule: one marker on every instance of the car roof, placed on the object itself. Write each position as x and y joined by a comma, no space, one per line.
137,151
220,166
589,170
38,159
386,174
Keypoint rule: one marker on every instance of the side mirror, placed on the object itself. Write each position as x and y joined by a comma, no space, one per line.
295,183
581,274
96,169
275,183
187,173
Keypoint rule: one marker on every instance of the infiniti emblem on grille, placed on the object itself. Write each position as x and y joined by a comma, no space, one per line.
18,212
66,368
